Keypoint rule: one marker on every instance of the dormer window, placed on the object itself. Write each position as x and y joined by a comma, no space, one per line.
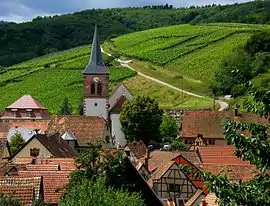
14,112
29,113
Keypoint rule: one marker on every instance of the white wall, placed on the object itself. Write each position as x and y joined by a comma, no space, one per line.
116,129
95,107
118,93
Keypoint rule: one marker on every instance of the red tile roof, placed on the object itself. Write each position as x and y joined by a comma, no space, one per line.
234,172
137,148
194,198
211,200
158,158
42,125
208,123
162,170
86,129
47,164
24,189
26,102
219,155
54,183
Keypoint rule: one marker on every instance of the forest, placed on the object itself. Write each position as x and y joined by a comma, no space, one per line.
43,35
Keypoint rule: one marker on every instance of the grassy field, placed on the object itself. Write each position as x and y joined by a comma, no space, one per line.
193,52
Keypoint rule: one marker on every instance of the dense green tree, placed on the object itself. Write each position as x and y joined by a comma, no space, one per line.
65,108
8,200
259,42
141,118
16,143
178,144
168,129
96,193
255,149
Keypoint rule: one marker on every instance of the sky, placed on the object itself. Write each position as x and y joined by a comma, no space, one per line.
25,10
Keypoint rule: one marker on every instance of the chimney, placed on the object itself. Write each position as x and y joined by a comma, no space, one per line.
147,158
204,203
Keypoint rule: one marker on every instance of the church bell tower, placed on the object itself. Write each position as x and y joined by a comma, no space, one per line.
96,83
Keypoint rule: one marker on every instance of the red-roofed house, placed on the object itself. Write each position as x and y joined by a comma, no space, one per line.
25,108
207,125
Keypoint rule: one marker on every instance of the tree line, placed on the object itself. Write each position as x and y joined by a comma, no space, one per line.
42,35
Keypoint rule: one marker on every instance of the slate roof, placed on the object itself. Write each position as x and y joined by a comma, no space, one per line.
208,123
158,158
26,102
24,189
96,64
25,133
54,183
86,129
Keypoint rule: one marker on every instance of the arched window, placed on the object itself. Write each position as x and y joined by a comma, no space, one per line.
93,88
99,88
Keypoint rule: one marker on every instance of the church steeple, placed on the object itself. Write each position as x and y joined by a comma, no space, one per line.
96,64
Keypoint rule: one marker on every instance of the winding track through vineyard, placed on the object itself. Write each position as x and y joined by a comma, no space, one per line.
222,105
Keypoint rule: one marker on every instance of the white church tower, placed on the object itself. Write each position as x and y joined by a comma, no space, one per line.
96,83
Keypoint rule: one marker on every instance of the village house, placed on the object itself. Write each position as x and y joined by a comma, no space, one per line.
25,108
45,146
204,127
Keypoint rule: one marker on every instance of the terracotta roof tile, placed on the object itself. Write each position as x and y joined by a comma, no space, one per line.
86,129
158,158
208,123
234,172
42,125
45,164
193,199
219,154
162,169
137,148
211,200
24,189
26,102
54,183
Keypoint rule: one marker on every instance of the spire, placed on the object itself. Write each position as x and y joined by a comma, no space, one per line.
96,64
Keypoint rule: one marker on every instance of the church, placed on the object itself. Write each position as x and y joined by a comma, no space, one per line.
97,100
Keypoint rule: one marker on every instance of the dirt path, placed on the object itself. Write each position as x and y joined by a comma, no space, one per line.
223,105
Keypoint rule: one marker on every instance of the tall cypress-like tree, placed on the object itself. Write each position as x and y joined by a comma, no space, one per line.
65,108
16,142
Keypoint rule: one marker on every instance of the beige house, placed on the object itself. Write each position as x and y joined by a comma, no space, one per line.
44,146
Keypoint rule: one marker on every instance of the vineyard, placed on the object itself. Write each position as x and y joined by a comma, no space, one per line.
193,52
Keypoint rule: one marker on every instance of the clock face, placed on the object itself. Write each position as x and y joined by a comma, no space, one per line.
96,79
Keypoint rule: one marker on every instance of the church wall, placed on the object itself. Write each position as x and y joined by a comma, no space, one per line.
95,107
116,129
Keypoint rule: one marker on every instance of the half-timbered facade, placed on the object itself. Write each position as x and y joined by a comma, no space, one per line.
170,183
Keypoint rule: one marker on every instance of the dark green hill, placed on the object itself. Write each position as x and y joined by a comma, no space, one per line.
25,41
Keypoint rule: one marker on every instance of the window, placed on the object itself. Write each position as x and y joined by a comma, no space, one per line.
34,152
95,104
29,113
173,188
93,88
99,88
211,142
14,114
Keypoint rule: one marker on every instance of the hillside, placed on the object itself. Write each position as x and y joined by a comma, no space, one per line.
52,77
193,52
20,42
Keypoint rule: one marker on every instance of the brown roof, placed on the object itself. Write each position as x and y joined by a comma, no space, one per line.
234,172
42,125
208,123
194,198
54,183
26,102
45,164
162,170
86,129
211,200
219,155
137,148
23,189
4,128
158,158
